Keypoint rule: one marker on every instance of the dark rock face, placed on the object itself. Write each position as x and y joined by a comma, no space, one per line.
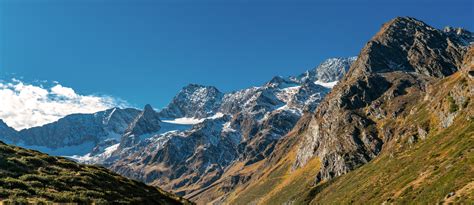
148,122
403,55
7,133
194,101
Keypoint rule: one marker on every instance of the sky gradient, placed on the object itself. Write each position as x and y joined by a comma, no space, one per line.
145,51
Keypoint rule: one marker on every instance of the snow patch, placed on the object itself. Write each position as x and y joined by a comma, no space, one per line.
87,158
191,121
327,85
227,128
183,121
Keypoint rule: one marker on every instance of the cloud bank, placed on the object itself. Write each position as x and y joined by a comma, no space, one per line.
24,105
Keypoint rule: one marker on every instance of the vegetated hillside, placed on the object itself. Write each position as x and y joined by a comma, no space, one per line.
402,118
27,175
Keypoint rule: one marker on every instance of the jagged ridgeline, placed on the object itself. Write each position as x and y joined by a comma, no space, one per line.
31,176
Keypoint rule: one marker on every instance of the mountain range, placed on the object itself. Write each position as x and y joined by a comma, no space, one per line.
392,125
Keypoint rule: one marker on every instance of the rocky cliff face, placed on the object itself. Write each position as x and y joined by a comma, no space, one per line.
401,58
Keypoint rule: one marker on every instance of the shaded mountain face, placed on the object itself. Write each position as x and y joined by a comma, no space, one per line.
76,134
7,133
148,122
34,176
402,58
76,129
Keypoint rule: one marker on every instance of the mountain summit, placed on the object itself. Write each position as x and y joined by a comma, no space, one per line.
407,44
194,101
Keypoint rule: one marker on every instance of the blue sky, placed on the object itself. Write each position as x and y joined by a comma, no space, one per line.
146,51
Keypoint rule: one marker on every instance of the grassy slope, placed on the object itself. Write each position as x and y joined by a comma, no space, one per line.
278,184
34,176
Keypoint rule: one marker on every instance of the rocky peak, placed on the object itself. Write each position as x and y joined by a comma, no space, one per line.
147,122
195,101
279,82
330,70
333,69
409,45
148,109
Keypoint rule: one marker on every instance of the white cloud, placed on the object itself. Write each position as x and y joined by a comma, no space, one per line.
63,91
24,105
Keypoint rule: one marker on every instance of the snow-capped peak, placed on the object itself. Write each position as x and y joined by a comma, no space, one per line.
194,101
